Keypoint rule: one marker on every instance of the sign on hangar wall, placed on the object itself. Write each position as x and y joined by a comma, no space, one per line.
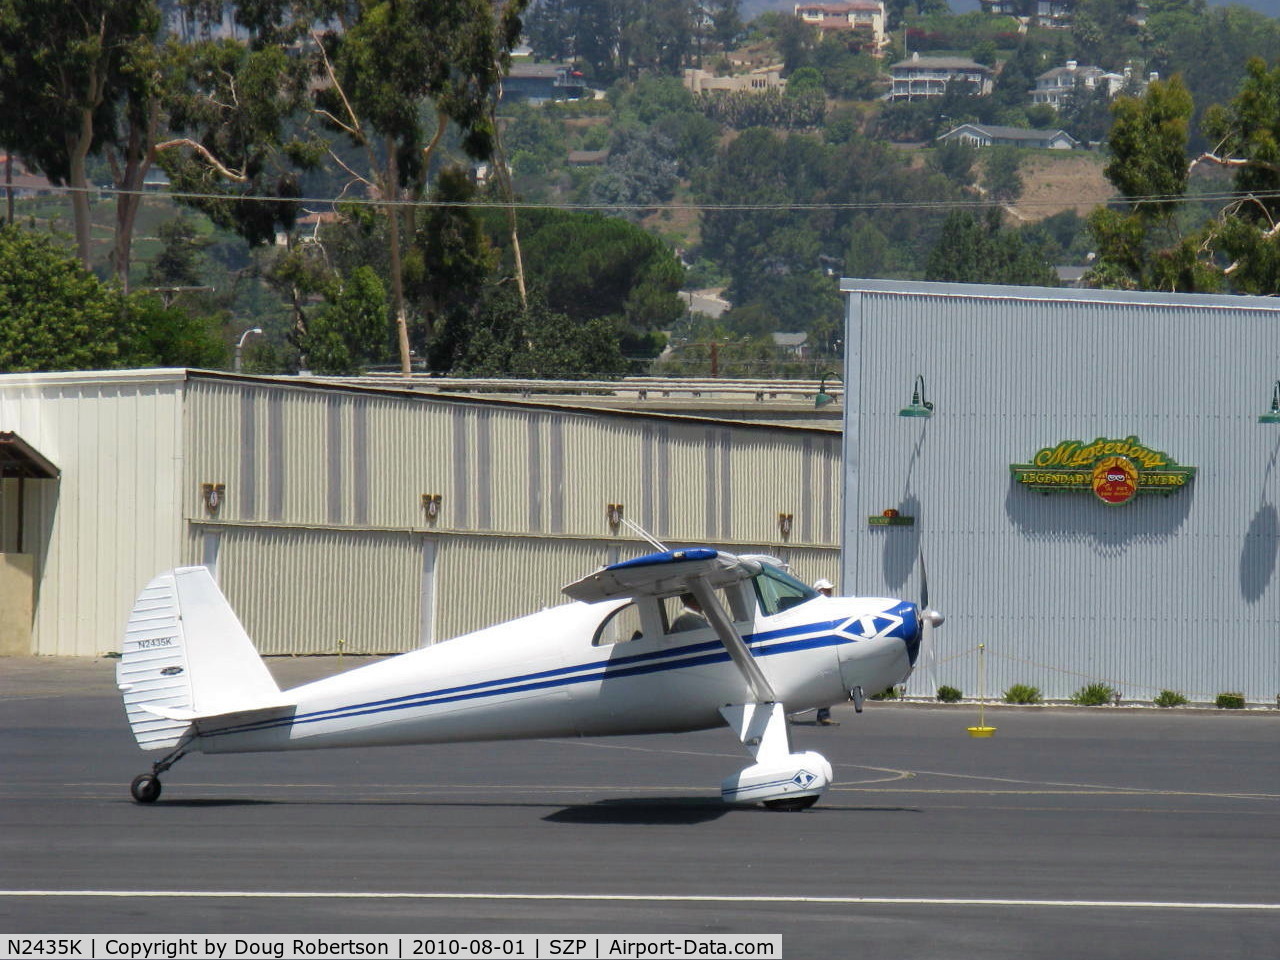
1115,470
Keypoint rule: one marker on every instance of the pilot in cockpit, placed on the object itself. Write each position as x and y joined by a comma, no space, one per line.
691,617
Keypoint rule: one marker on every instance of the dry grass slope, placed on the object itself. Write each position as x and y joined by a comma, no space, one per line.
1069,180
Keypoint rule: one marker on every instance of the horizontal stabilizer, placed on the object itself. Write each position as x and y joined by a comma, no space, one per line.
663,574
164,713
226,722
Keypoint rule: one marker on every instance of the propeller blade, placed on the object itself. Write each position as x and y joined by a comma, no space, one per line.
930,618
924,584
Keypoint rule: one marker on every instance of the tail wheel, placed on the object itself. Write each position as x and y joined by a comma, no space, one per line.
145,788
792,804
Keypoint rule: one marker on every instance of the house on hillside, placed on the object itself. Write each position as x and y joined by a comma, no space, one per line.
792,344
588,158
1055,13
855,16
1053,86
986,135
757,81
930,76
1047,13
542,82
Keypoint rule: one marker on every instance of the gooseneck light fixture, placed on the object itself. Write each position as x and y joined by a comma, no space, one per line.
823,398
919,406
1273,415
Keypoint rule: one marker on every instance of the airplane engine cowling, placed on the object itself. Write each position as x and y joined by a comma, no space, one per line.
793,775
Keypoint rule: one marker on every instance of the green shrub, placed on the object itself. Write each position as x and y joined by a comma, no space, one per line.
1021,693
1170,698
949,694
888,693
1093,695
1230,701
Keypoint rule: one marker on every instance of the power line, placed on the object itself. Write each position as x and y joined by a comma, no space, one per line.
1225,196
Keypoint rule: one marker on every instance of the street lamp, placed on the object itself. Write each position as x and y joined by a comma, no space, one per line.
240,345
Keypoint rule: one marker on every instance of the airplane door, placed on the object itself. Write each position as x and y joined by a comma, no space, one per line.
660,668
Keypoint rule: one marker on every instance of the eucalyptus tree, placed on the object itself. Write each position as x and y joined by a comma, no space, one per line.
390,76
65,67
392,79
238,136
1246,139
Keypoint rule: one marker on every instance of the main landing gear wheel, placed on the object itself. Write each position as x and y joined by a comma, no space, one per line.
145,788
788,804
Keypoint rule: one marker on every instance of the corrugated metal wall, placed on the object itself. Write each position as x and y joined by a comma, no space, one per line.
310,472
294,455
1178,592
301,591
113,520
321,534
485,580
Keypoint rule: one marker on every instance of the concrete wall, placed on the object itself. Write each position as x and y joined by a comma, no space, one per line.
17,594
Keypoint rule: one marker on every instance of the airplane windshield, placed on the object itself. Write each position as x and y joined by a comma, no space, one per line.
778,591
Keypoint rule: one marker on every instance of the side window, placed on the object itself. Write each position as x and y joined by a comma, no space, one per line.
620,626
778,591
682,613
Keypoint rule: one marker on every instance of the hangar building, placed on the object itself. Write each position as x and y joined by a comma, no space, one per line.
1092,492
347,518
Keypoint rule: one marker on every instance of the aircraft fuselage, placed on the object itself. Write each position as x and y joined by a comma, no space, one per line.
542,676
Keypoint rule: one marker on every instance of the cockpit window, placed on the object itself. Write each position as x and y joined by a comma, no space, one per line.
620,626
778,591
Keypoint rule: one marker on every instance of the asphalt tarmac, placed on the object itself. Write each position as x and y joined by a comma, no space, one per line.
1089,832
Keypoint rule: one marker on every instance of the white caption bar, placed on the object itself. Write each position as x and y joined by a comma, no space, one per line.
308,946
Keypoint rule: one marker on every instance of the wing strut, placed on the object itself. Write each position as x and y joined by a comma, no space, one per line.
738,651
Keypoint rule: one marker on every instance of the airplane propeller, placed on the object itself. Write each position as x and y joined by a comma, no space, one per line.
930,618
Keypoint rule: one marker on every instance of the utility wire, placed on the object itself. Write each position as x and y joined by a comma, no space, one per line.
782,206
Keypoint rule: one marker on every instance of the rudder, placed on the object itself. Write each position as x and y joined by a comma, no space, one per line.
186,655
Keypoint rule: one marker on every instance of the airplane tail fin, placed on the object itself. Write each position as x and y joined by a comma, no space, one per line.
187,656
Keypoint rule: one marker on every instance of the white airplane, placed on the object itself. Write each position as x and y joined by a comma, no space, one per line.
616,661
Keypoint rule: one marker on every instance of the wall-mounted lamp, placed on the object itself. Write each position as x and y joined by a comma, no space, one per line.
431,506
919,406
613,513
1273,415
785,521
823,398
213,494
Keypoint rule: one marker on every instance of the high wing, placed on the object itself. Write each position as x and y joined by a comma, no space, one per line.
663,574
698,570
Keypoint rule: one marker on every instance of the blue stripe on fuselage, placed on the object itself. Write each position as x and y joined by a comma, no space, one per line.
693,655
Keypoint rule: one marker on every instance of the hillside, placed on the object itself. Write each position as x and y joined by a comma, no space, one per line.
1058,181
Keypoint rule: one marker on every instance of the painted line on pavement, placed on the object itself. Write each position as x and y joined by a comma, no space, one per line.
641,898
